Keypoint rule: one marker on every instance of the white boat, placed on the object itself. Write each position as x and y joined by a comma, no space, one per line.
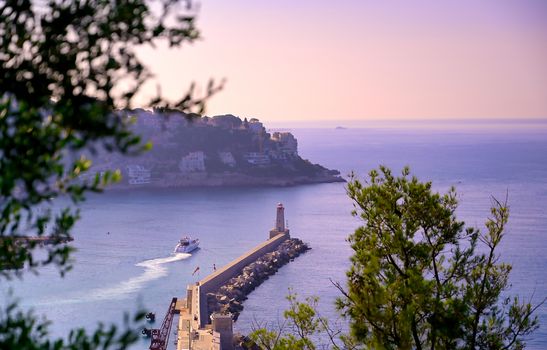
186,245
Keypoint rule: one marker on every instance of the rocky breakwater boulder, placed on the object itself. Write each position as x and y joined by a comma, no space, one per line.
229,297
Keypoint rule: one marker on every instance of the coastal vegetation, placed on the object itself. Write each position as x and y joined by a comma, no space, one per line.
418,279
61,68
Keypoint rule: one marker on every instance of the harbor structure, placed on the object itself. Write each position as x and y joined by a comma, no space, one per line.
41,240
279,228
200,328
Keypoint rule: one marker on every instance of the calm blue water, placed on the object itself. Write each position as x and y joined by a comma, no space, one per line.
132,266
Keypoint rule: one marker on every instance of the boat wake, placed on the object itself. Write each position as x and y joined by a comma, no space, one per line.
156,263
153,269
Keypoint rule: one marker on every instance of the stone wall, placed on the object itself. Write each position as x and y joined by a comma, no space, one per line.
213,282
229,298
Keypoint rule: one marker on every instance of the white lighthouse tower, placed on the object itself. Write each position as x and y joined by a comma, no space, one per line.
279,222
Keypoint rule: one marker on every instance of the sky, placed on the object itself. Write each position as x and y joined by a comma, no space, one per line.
364,59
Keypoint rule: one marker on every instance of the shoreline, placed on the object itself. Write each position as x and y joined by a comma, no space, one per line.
215,181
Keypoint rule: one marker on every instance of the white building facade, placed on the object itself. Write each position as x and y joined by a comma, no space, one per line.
193,162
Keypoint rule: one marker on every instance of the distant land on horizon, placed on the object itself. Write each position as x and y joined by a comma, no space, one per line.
199,151
411,123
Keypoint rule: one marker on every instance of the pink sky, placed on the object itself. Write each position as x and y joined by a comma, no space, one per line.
359,60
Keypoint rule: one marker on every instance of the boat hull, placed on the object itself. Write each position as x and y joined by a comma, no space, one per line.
186,248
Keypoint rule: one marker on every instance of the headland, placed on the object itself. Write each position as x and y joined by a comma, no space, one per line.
200,151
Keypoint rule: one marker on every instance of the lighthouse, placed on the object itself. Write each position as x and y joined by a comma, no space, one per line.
279,227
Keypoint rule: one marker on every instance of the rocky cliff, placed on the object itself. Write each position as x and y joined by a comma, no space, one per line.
190,151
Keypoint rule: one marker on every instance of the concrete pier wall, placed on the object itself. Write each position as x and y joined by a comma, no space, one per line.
214,281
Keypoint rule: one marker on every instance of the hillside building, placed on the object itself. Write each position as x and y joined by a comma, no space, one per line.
287,143
227,158
193,162
138,175
257,158
256,126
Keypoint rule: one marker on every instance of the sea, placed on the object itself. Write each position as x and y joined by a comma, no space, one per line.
124,240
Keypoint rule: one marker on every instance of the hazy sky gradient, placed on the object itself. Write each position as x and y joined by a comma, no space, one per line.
391,59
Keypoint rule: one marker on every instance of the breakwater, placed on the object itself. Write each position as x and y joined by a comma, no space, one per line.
229,297
213,282
42,240
213,304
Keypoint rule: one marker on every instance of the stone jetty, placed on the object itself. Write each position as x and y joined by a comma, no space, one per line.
229,297
211,306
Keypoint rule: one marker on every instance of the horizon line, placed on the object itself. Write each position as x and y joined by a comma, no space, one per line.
407,120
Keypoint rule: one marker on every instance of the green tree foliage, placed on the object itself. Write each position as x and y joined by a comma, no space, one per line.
420,279
20,330
300,329
67,71
64,68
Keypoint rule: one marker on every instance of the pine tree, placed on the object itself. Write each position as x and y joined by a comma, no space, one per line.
419,279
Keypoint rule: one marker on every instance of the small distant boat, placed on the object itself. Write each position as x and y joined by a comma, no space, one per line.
186,245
